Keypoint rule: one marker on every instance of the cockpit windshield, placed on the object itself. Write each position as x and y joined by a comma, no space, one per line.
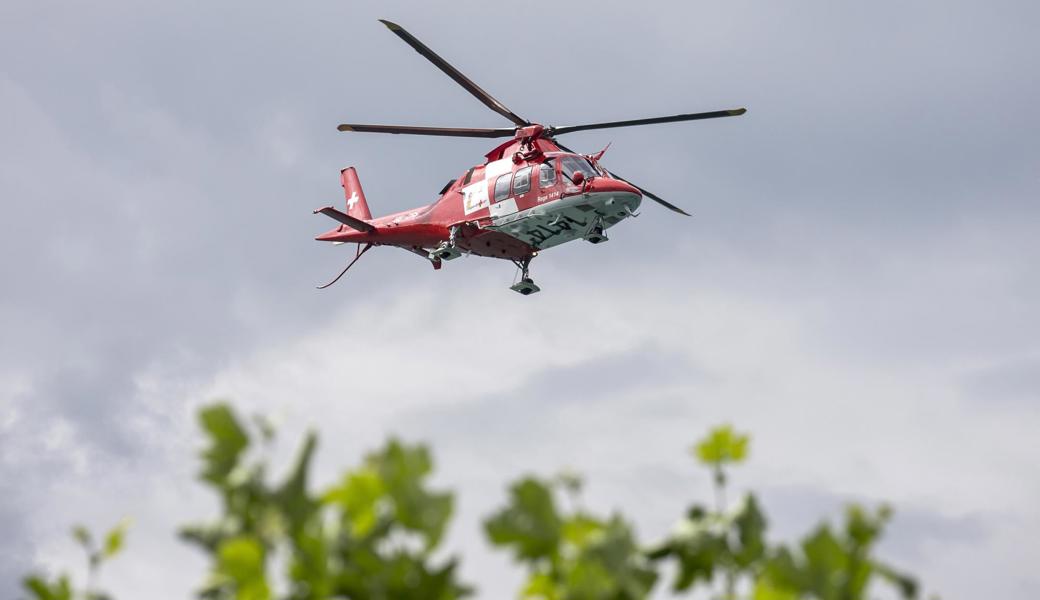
571,164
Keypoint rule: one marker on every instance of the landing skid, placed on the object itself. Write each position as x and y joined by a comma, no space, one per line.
526,286
447,250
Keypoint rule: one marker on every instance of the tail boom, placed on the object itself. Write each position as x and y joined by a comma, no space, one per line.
405,235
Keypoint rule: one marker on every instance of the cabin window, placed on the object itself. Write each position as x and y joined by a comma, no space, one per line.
575,164
599,169
502,187
546,175
522,181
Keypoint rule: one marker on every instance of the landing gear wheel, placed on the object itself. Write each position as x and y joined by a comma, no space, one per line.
526,285
595,233
447,250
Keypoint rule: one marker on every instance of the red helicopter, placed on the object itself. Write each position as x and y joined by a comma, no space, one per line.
531,193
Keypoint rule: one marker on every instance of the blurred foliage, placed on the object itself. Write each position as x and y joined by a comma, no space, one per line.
371,535
722,446
704,545
832,564
569,556
374,534
42,587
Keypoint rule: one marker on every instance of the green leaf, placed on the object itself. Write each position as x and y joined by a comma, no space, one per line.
37,585
401,465
310,568
862,527
766,590
750,524
359,496
783,572
241,560
434,514
906,584
540,586
114,539
721,446
227,440
292,496
698,545
616,554
582,529
824,555
402,470
530,523
589,579
82,535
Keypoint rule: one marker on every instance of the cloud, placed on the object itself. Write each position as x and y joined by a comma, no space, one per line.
1010,384
861,259
699,359
602,386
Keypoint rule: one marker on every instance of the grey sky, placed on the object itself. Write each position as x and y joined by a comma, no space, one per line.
858,286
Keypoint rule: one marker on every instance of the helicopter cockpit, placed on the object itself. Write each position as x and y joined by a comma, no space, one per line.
572,163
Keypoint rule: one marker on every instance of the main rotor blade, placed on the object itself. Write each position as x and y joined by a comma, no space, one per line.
645,192
440,131
653,196
454,73
687,117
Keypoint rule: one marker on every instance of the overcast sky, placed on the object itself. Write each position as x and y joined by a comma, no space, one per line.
858,287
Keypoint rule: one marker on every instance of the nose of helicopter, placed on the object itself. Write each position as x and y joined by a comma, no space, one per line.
606,184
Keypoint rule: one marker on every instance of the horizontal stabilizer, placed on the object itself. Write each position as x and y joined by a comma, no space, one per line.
346,219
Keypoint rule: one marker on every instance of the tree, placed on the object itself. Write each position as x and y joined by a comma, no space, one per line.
569,556
370,535
374,533
60,587
828,564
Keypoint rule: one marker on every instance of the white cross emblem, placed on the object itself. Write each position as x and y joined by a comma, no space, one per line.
352,201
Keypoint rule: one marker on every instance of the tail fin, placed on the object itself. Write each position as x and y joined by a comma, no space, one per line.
357,206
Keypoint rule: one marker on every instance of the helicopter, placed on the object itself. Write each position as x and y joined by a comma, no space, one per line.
530,194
